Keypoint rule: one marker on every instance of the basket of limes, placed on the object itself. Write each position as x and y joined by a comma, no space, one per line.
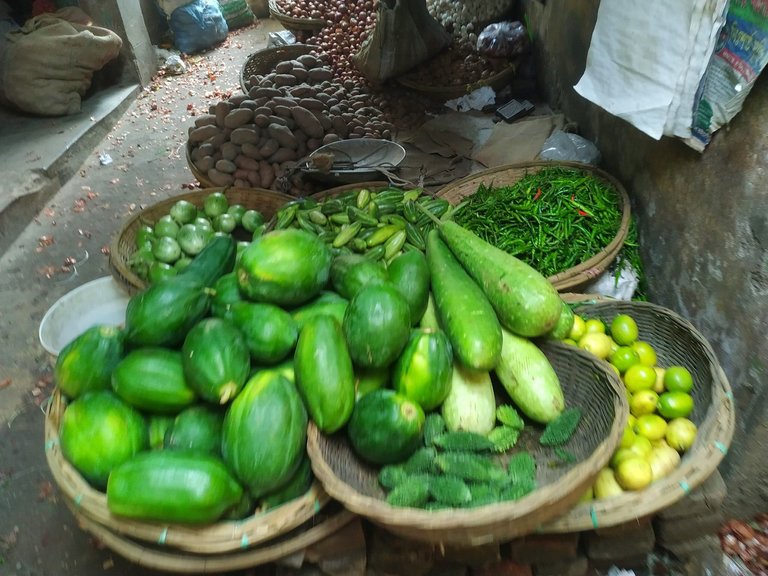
681,410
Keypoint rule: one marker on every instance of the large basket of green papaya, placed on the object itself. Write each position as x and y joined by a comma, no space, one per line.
567,220
163,237
681,411
465,488
247,532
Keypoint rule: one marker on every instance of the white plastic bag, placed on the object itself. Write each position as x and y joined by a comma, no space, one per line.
621,288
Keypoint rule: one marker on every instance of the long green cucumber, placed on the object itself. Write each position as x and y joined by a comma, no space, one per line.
525,301
529,379
462,309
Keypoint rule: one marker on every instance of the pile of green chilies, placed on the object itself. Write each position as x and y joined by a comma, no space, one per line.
552,219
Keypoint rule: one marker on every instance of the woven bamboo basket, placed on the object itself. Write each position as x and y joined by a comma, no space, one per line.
292,23
124,242
336,190
586,382
201,177
217,538
264,61
508,174
676,342
158,557
442,93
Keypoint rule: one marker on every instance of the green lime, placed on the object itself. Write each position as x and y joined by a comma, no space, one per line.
645,351
624,357
678,379
624,329
675,405
639,377
594,325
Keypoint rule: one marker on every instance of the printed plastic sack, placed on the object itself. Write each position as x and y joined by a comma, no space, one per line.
198,26
237,13
503,40
48,63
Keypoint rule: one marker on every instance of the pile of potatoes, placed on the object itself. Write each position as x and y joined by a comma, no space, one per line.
256,140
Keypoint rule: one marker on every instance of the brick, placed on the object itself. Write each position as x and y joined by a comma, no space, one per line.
577,567
471,555
448,569
636,562
625,528
505,567
544,548
390,554
705,499
687,528
619,546
693,547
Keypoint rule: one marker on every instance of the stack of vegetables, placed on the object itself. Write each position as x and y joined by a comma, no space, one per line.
205,394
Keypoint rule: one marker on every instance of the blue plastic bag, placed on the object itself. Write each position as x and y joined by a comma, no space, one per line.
198,26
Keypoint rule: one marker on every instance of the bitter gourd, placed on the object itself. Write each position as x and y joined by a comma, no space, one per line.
462,441
413,493
507,415
449,490
434,426
470,466
504,437
560,430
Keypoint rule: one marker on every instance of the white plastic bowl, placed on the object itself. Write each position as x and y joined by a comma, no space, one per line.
100,301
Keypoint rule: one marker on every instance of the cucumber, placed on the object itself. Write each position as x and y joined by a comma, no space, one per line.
525,302
410,274
463,309
214,260
529,379
168,486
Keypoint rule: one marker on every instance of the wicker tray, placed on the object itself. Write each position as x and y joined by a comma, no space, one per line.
264,61
124,242
586,382
509,174
676,342
220,537
291,23
443,93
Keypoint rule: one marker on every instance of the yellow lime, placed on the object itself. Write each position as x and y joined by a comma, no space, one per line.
623,357
641,446
627,438
605,485
588,496
675,405
620,455
639,377
594,325
651,426
681,433
578,329
596,343
646,352
663,460
624,329
643,402
634,474
614,346
678,379
658,386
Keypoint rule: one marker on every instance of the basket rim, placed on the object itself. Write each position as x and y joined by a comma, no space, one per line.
197,564
118,265
217,537
696,466
299,48
417,521
205,182
592,267
295,23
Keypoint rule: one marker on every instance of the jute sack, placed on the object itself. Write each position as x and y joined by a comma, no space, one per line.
49,63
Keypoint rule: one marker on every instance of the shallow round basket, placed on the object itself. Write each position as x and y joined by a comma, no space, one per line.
217,538
292,23
509,174
264,61
587,383
124,242
676,342
443,93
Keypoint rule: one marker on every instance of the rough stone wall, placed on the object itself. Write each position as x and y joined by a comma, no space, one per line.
703,224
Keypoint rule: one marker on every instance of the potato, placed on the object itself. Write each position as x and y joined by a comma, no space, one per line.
313,144
318,75
339,126
261,120
285,80
269,92
240,174
283,154
324,120
229,151
240,183
246,162
308,61
242,136
307,122
330,137
279,120
204,163
284,101
284,67
269,148
283,135
203,133
226,166
205,120
311,104
220,178
255,179
282,111
250,104
300,74
238,117
222,108
267,174
251,150
302,91
237,99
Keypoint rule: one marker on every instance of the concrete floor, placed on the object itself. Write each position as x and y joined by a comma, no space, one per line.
53,239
